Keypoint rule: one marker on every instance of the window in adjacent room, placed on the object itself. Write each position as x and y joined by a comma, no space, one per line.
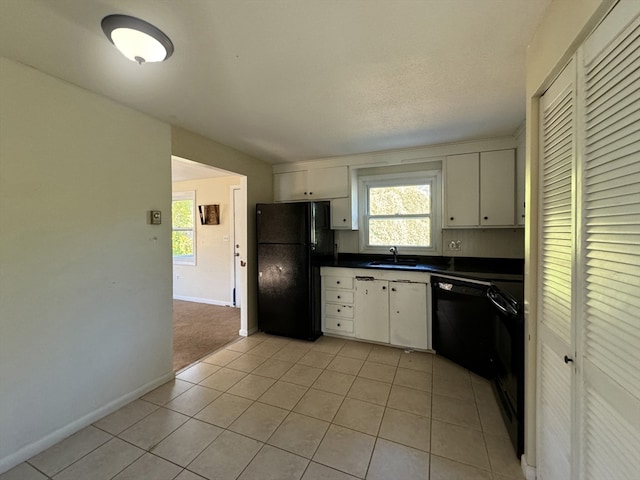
400,210
183,238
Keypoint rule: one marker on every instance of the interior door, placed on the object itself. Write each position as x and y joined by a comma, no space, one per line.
556,350
609,305
238,211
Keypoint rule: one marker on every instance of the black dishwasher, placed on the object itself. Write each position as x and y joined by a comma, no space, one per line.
462,324
480,326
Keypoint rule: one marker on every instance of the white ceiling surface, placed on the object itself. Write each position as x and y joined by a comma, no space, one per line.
289,80
183,170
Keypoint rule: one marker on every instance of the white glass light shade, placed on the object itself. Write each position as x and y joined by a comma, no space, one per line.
138,46
136,39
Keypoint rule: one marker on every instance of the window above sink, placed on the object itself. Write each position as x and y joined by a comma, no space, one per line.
401,210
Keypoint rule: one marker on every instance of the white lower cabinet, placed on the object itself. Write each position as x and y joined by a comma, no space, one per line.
372,309
337,302
407,314
378,306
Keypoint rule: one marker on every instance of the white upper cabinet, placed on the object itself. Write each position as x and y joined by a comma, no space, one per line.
497,188
520,183
330,182
290,186
312,184
480,189
344,214
462,190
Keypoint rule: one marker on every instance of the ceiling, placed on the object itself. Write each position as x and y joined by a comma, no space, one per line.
290,80
183,170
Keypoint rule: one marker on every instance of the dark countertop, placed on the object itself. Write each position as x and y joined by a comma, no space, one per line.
489,269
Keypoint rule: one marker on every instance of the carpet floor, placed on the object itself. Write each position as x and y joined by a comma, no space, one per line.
199,329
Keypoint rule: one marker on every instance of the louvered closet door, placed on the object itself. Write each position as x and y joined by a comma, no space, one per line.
609,287
555,328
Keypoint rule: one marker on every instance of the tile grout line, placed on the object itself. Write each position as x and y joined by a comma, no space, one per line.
433,374
308,388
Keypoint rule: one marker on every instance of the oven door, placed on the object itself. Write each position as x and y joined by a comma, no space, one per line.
508,346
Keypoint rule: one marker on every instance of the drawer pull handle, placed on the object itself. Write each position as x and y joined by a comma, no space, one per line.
451,218
339,310
393,289
338,282
338,324
384,288
338,296
486,218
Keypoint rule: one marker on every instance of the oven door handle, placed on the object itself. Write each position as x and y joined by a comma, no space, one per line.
500,302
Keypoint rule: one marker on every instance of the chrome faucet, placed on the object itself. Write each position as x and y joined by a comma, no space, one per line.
394,251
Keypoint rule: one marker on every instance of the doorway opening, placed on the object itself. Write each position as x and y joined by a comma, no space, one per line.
209,287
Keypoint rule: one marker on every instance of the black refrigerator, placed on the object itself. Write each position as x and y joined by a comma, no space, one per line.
293,241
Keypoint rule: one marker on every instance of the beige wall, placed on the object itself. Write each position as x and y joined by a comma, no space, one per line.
194,147
476,242
210,280
85,280
564,27
485,242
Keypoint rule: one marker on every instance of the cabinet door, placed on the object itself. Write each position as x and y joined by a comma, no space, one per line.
372,310
497,188
327,183
408,314
520,183
462,190
290,186
342,214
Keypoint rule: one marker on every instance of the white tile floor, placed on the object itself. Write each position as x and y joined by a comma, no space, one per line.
266,407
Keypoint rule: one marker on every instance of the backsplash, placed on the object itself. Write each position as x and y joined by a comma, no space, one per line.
490,242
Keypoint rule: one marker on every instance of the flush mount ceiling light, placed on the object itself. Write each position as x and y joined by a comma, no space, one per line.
138,40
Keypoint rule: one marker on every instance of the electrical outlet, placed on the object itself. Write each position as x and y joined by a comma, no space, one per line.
454,245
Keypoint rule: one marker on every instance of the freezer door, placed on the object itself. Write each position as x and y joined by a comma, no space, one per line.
284,290
283,223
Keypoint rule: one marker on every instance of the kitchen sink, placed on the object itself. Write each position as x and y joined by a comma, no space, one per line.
391,263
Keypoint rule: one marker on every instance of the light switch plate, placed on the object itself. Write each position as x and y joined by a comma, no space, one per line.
155,217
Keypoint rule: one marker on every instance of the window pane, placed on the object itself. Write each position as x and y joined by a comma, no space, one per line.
414,232
182,214
400,200
182,244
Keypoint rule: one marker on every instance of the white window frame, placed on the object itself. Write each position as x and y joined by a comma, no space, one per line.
190,195
431,177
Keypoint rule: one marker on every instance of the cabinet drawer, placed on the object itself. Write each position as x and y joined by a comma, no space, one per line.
339,282
333,310
339,324
338,296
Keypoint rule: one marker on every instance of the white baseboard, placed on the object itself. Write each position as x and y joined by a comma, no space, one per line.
203,300
28,451
245,333
528,470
